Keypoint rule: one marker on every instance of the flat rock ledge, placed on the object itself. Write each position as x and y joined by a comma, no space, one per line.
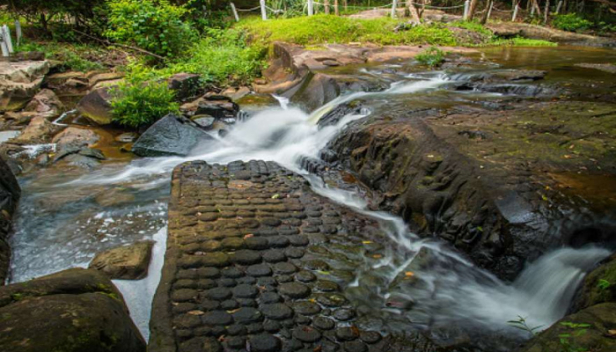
250,265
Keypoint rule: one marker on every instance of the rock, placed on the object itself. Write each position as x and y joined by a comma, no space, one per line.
73,310
128,137
9,196
76,137
591,329
487,208
126,262
217,106
19,82
599,286
339,112
204,121
101,79
185,85
609,68
45,103
317,90
171,135
96,106
236,94
513,29
81,161
38,131
115,197
68,83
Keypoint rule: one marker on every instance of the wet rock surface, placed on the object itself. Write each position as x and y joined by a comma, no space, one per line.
171,135
504,186
126,262
9,196
74,310
245,267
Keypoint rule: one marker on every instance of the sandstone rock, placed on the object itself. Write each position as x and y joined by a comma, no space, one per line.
171,135
75,136
114,197
185,85
316,91
96,106
9,196
126,262
128,137
591,329
73,310
236,93
40,130
19,82
68,83
217,106
99,79
45,103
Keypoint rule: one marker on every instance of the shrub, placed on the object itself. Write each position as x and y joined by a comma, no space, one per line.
223,57
141,102
153,25
571,22
43,12
432,57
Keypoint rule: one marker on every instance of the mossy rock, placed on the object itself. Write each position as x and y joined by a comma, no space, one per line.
74,310
591,329
599,286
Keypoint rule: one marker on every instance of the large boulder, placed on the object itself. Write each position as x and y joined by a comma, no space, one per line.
126,262
96,106
9,196
592,329
71,311
316,90
171,135
19,82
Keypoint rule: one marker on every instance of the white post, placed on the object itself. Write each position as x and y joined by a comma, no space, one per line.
560,3
393,8
7,38
466,5
490,11
532,10
18,31
5,49
263,13
310,8
515,12
237,18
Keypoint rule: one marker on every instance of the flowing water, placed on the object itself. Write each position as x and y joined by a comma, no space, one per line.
66,216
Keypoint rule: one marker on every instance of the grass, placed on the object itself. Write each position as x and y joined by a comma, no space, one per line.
320,29
517,41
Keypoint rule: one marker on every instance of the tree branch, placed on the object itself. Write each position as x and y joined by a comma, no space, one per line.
104,41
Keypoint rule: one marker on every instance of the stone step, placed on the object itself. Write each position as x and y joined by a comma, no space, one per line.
251,265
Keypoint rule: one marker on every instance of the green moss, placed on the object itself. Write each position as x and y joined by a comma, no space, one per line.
517,41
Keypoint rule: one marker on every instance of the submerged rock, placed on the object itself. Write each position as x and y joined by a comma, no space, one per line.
71,311
171,135
9,196
126,262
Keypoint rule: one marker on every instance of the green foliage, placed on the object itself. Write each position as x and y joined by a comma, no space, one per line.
566,339
153,25
222,57
571,22
432,57
521,324
43,12
473,26
139,101
321,29
603,284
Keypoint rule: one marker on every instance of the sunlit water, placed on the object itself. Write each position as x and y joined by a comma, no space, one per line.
64,220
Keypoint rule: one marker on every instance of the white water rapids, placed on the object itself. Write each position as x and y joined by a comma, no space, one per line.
454,290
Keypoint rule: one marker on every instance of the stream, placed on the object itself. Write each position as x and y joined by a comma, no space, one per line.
66,216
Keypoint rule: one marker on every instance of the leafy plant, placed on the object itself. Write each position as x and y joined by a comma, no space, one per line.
565,339
571,22
522,324
432,57
603,284
141,102
153,25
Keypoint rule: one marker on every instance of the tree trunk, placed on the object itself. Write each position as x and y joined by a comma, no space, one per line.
336,11
413,12
471,9
326,4
546,12
486,14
